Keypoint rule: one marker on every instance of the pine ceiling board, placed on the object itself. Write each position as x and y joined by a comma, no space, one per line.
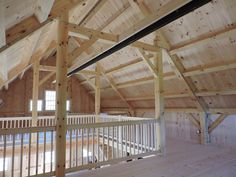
222,80
79,12
47,36
143,104
110,93
149,39
23,55
226,101
72,45
106,11
166,66
174,86
138,91
16,11
124,22
180,103
103,82
13,58
113,103
215,52
216,15
120,57
132,73
155,5
96,48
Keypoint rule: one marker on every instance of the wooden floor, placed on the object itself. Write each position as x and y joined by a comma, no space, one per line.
182,160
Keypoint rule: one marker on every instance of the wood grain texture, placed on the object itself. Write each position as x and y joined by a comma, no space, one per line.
207,161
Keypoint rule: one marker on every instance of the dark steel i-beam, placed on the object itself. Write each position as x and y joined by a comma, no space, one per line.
187,8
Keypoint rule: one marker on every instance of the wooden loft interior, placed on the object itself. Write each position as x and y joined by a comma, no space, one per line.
127,75
169,60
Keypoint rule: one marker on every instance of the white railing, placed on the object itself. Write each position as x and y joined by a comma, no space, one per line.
31,151
108,142
22,122
27,152
109,118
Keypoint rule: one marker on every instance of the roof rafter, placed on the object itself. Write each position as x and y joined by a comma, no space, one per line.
181,95
78,51
92,12
178,68
114,87
204,39
149,64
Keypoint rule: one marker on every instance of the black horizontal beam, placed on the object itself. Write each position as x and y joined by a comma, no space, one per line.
187,8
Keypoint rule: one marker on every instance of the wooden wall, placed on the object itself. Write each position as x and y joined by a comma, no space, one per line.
178,126
16,99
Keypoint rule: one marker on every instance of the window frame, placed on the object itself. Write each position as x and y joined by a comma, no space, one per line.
68,102
31,105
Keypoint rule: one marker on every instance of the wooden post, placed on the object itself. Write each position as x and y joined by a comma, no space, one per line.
2,25
159,103
3,61
61,95
97,91
35,92
204,122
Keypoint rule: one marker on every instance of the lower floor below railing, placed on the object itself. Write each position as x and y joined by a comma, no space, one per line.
32,151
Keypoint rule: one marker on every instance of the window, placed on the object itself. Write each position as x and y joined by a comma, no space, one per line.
39,105
67,105
50,101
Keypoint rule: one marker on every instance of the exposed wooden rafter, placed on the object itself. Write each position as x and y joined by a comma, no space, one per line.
167,76
3,71
149,64
92,12
78,51
178,68
181,95
114,87
204,39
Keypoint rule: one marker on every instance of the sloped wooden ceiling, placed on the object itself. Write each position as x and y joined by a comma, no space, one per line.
203,41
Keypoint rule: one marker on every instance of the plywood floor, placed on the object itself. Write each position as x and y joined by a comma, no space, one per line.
182,160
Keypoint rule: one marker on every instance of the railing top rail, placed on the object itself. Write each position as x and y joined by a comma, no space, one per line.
44,117
111,117
124,117
110,124
12,131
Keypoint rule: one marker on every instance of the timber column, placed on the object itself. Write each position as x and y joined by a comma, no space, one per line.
159,103
204,123
61,94
97,91
35,92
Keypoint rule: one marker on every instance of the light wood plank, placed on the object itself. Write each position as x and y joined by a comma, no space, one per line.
159,102
35,92
61,95
178,68
43,9
206,38
114,87
97,91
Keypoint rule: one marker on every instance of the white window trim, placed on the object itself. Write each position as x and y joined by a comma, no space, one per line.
31,105
47,100
68,102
